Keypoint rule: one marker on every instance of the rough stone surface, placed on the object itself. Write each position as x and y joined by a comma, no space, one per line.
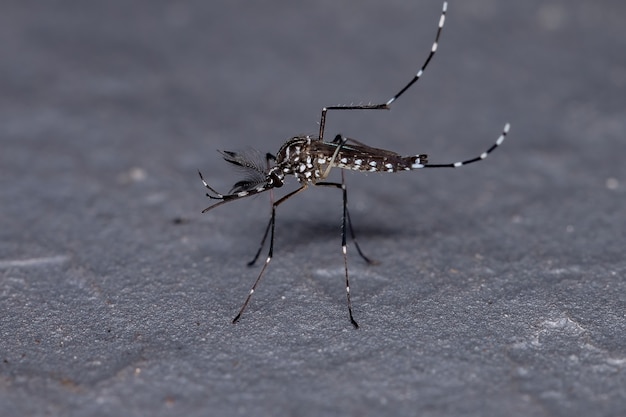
501,287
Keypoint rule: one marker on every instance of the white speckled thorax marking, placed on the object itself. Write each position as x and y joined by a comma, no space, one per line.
295,158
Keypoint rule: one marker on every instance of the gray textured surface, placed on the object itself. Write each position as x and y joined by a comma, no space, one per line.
501,288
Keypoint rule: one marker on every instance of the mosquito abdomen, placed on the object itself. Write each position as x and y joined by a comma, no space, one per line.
381,163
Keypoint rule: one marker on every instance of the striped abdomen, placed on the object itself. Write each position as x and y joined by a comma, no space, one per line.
359,157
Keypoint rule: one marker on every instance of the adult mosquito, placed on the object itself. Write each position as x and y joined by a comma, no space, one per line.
310,160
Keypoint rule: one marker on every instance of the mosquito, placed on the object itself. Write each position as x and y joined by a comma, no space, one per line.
310,159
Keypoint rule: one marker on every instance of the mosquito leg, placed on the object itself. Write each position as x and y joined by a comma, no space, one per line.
368,260
267,229
480,157
387,104
344,249
345,219
268,157
271,250
433,49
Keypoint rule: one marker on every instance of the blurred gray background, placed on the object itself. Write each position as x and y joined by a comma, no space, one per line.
501,287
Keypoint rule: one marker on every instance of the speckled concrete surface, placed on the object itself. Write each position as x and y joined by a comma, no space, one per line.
501,288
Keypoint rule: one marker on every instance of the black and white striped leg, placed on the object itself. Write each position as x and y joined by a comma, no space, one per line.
270,254
476,159
368,260
387,104
268,157
262,244
345,219
433,50
225,198
344,249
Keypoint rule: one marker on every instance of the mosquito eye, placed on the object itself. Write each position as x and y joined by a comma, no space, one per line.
274,181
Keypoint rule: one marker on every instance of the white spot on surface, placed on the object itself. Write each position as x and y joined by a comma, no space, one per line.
21,263
389,166
612,183
373,169
321,161
302,168
616,361
483,155
458,164
344,160
373,163
133,175
563,323
551,17
242,193
416,165
358,161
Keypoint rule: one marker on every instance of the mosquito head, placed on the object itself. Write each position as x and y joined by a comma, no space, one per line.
259,177
275,178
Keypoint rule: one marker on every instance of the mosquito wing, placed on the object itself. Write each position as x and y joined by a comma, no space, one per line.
357,156
252,165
